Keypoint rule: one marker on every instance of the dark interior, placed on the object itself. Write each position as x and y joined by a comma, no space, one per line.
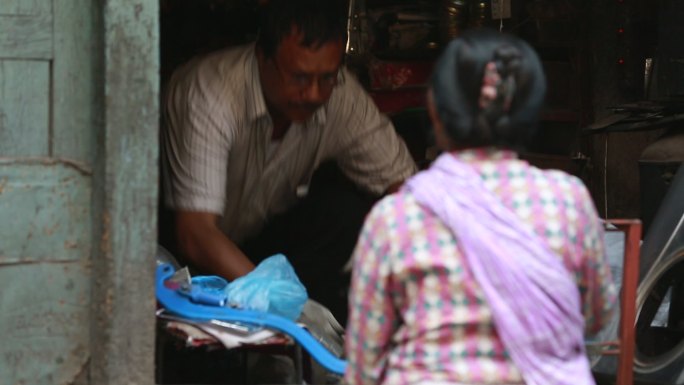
615,85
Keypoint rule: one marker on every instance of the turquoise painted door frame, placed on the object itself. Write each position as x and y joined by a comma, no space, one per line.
79,90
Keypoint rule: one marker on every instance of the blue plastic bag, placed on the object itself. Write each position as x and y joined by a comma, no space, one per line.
273,286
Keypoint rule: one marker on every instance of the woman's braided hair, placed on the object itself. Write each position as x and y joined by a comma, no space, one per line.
488,89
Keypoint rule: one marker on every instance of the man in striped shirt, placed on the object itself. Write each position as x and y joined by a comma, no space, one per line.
246,128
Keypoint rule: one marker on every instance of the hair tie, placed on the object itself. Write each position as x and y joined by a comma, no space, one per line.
490,85
493,88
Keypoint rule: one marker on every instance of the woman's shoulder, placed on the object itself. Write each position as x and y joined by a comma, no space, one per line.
560,178
401,214
399,203
567,188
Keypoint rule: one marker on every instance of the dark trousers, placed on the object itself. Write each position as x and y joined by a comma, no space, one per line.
318,236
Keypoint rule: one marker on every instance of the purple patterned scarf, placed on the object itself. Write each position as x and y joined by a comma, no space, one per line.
534,301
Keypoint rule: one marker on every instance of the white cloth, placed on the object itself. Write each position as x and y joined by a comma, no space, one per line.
217,134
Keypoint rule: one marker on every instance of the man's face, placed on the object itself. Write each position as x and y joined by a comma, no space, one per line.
297,80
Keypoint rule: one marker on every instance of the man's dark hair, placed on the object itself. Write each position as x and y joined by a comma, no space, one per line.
457,86
319,21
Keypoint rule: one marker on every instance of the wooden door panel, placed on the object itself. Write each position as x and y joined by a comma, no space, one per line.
45,318
74,82
46,232
24,108
48,204
78,92
24,7
25,29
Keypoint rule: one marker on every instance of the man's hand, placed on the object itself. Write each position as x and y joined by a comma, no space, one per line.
204,244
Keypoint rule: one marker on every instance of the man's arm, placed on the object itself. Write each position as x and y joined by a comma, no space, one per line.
372,155
196,139
204,244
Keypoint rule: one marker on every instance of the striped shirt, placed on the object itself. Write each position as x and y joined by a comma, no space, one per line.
217,151
416,314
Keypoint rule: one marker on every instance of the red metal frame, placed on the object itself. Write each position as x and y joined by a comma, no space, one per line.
623,347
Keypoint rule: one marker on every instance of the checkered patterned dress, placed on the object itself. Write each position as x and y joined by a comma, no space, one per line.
416,312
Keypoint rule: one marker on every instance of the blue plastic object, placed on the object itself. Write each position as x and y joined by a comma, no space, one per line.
208,290
177,303
273,286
